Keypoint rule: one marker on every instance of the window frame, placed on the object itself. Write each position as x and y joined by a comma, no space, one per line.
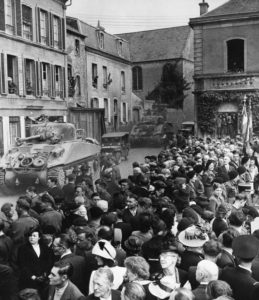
226,70
28,24
137,79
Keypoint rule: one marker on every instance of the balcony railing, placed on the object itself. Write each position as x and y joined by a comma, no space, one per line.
27,34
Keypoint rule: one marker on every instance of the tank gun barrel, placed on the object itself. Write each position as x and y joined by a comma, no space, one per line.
33,137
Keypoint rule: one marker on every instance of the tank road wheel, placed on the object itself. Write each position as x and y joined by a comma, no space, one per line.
58,173
2,177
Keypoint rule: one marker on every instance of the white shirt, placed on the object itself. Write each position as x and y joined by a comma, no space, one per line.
109,298
36,248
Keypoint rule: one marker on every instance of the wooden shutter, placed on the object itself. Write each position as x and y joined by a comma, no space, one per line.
3,75
53,87
51,30
38,85
38,34
2,16
63,71
18,17
63,34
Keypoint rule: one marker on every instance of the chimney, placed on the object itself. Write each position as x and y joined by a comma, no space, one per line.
204,7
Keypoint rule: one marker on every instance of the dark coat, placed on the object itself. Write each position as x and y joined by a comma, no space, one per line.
241,282
116,295
70,293
69,192
200,292
78,277
53,218
6,246
225,259
30,264
190,258
8,286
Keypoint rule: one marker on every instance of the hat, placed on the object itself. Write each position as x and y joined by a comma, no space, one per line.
193,237
163,288
159,184
244,187
133,243
241,170
104,249
245,246
179,180
232,174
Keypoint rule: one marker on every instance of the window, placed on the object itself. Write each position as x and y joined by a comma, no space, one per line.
14,129
137,83
29,76
1,137
105,77
124,112
106,109
94,103
58,81
94,76
43,27
12,74
9,23
78,86
57,32
26,22
100,36
77,47
122,81
119,45
235,55
45,79
115,106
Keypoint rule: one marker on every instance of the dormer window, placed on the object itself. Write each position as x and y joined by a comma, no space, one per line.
119,47
235,55
100,36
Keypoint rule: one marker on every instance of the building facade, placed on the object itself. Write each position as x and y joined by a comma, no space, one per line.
100,68
226,66
32,65
153,49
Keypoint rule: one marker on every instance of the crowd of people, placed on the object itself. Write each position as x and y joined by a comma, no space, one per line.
182,226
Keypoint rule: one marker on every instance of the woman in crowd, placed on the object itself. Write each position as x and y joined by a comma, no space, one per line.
208,177
35,261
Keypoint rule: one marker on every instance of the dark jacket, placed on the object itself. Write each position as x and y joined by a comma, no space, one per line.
69,192
78,277
200,292
116,295
70,293
241,282
190,258
30,264
225,259
51,217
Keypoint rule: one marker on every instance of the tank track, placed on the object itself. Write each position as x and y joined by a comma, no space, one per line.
58,173
2,177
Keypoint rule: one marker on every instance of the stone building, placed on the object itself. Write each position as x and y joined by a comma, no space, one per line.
150,51
226,65
100,68
32,65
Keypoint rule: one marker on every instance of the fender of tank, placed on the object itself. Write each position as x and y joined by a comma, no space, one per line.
52,149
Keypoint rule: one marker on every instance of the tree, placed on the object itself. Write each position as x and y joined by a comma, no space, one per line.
171,88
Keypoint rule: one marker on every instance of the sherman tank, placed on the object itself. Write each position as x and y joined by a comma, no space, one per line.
51,150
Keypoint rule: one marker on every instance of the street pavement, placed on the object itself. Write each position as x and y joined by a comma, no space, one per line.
135,154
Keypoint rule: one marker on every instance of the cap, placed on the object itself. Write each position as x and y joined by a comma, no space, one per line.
104,249
245,246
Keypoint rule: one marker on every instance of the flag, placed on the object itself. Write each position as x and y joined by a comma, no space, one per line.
248,138
244,120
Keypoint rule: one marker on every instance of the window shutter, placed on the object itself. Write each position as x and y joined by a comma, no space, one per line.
101,103
127,113
121,112
40,78
48,28
140,79
52,74
109,110
3,75
18,17
38,85
63,34
65,82
51,33
38,36
2,16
